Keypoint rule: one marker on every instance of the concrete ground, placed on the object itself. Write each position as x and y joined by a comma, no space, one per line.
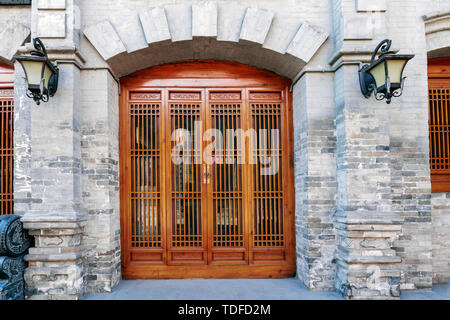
236,289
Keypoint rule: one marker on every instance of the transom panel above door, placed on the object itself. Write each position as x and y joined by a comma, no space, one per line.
206,173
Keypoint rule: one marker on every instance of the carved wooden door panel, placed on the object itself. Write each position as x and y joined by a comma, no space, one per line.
186,202
228,178
206,176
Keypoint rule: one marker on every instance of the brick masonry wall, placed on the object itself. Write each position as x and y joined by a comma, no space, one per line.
411,197
440,211
315,180
100,179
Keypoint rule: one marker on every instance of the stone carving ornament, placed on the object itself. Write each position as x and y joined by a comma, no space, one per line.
14,240
11,278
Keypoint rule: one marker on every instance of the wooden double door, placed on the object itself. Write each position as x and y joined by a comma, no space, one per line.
206,175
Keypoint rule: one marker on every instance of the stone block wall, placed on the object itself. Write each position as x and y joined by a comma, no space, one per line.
409,145
315,180
440,213
100,179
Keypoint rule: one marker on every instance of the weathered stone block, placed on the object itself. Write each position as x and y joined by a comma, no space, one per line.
13,35
179,19
154,23
256,24
55,265
105,39
204,19
51,24
229,21
371,5
367,266
130,32
306,42
51,4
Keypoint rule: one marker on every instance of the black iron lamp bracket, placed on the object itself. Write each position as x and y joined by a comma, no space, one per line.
367,81
38,93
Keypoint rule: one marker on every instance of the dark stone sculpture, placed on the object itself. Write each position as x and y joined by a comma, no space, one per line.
14,242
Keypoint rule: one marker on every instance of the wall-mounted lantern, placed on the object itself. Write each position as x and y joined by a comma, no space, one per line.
41,74
384,76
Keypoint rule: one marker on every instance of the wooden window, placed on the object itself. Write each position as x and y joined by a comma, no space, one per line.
6,140
439,123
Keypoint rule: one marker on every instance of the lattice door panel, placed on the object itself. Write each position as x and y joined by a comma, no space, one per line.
145,178
268,219
6,151
186,223
228,232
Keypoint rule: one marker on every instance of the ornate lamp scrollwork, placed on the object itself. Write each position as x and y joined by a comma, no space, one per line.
41,74
383,76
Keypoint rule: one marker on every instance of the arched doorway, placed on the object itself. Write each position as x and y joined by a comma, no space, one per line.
194,201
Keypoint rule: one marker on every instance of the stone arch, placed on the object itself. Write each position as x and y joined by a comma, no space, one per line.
437,32
209,30
13,35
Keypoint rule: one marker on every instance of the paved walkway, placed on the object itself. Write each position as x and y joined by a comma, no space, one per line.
236,289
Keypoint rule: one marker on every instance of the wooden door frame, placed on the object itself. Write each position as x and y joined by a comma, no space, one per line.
202,74
6,76
7,93
439,77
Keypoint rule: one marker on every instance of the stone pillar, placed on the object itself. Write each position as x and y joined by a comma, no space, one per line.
315,179
367,266
56,218
54,215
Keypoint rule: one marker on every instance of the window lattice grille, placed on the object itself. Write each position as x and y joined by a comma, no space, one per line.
6,152
439,123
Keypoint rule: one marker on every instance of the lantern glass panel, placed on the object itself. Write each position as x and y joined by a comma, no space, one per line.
47,75
379,74
33,70
395,68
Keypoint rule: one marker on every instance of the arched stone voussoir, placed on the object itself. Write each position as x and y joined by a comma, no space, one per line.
13,36
205,48
154,23
131,33
256,25
105,39
204,19
307,41
179,19
206,30
437,33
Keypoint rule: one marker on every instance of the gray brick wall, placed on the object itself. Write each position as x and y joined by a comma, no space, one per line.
315,180
100,179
